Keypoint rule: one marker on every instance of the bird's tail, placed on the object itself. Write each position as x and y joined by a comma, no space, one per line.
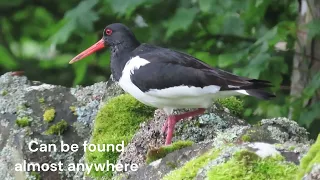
256,89
261,94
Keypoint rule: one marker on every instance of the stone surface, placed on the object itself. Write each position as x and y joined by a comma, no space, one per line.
314,173
196,129
23,98
216,129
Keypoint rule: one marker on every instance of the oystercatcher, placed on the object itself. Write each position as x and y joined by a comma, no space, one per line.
168,79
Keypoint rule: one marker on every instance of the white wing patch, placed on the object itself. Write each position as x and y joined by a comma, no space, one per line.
133,64
125,80
242,92
183,91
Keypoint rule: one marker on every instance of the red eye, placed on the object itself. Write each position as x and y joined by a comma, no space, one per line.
108,32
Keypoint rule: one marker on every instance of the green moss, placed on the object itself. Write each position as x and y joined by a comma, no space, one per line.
233,104
171,164
115,122
190,169
292,148
23,122
158,153
248,165
57,128
35,175
49,115
311,158
247,157
73,110
41,100
22,107
4,92
245,138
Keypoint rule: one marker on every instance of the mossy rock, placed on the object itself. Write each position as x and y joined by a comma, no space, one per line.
23,122
257,134
49,115
41,100
234,104
4,92
311,158
58,128
158,153
248,165
115,122
190,169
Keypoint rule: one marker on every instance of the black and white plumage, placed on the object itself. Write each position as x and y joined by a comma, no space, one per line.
166,78
169,79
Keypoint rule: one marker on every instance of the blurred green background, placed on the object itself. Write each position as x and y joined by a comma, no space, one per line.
40,37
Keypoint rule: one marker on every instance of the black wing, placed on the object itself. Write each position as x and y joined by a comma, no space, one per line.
169,68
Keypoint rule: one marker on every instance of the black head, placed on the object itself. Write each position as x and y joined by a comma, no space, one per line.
115,34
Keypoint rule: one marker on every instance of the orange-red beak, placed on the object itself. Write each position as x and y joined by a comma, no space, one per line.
97,46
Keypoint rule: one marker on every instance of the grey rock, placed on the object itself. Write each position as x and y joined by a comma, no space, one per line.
314,174
158,169
197,129
215,129
21,98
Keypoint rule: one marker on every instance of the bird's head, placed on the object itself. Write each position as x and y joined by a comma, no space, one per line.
113,35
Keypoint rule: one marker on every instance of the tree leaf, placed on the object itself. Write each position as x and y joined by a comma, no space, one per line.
181,20
83,14
233,25
313,28
309,115
6,59
125,7
81,17
80,70
205,5
268,36
312,86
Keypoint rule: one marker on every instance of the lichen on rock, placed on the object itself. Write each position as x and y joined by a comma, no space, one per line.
58,128
49,115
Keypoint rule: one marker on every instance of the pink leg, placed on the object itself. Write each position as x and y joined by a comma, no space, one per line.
165,126
173,119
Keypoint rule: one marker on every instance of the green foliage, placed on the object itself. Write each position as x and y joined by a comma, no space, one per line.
158,153
247,165
190,169
245,138
115,122
41,100
237,36
57,128
49,115
233,104
35,176
4,92
23,122
181,20
311,158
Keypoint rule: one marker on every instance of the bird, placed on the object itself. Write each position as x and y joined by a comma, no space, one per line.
168,79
